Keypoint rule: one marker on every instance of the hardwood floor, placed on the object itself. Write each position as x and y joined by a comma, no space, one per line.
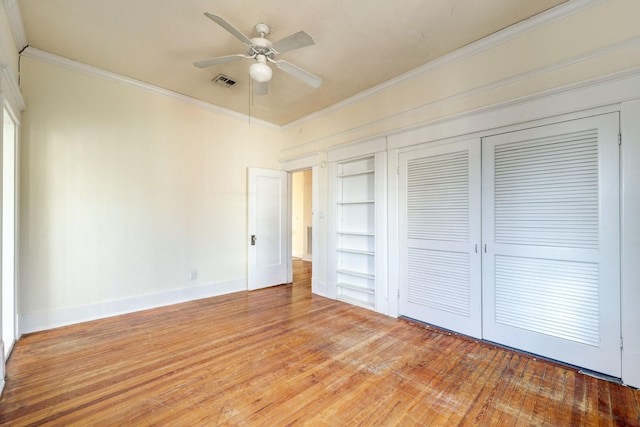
281,356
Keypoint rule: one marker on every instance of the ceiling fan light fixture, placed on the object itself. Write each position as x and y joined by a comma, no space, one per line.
262,51
260,71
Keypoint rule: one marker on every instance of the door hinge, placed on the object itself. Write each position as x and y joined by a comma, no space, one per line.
619,138
398,293
398,170
621,343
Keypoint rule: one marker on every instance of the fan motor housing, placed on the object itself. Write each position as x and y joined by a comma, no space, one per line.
260,46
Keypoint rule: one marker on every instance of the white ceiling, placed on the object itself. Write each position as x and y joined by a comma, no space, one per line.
359,44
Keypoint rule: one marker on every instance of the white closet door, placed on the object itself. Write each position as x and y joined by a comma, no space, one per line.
439,236
551,283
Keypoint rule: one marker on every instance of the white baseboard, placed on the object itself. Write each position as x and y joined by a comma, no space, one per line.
69,316
319,288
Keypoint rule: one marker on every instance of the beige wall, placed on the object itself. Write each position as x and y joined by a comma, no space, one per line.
595,42
125,192
8,51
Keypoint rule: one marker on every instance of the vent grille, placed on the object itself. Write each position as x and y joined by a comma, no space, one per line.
223,80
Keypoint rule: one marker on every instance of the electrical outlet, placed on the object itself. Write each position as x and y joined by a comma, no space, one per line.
193,275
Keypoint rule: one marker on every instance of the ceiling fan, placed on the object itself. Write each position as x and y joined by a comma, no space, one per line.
263,52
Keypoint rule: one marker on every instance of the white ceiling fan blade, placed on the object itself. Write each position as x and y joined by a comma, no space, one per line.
260,88
219,60
227,26
299,73
294,41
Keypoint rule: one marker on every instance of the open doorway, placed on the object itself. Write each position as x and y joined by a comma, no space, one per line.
301,226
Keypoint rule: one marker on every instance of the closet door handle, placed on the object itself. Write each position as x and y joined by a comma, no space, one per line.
476,248
485,248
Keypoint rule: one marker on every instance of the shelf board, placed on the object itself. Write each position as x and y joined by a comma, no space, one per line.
356,301
364,172
356,251
356,274
355,233
357,202
356,288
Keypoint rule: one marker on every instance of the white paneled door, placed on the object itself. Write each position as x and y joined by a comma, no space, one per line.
440,276
551,261
267,223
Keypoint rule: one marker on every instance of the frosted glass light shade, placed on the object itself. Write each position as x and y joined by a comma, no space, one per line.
260,72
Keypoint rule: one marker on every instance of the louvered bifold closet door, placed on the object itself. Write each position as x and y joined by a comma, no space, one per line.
439,220
551,281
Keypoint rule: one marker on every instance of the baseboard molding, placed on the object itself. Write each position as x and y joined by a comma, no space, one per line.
69,316
319,288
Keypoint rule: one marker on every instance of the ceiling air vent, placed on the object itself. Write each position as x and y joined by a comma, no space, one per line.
223,80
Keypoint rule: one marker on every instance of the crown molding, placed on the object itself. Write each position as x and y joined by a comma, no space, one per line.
15,22
575,90
41,55
504,82
604,92
540,20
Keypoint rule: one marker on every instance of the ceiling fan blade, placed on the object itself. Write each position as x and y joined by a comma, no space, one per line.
260,88
219,60
294,41
227,26
299,73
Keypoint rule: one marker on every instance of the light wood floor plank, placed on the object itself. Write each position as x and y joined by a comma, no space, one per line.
282,356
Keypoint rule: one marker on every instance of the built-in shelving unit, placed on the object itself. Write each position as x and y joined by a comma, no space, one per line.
355,232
